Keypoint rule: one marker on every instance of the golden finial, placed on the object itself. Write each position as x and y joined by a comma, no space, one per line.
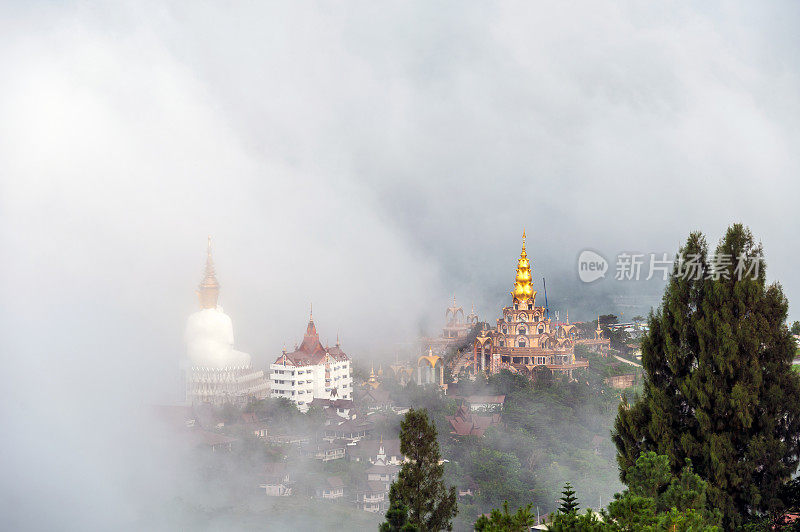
523,284
311,312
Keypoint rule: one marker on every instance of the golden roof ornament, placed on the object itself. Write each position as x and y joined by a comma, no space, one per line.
523,285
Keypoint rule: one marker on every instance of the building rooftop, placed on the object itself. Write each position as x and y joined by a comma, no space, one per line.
311,352
465,423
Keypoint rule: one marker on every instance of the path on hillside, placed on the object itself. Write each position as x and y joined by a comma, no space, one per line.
628,361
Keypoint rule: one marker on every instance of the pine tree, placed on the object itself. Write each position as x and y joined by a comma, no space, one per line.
419,486
569,502
662,420
397,515
719,389
504,521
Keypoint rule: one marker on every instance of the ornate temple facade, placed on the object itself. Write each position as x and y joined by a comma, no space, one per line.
312,371
430,370
525,337
599,344
213,371
457,327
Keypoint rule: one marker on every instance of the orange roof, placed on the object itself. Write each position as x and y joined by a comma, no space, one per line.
311,351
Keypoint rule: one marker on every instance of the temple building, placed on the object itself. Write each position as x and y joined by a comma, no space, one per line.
525,338
430,370
312,371
457,327
598,344
214,372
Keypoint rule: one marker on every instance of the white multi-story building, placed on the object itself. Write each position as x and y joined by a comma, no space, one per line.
312,371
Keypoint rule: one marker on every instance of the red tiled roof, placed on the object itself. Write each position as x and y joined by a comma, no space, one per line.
310,351
337,353
465,423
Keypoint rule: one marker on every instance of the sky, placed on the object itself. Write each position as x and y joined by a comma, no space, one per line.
371,158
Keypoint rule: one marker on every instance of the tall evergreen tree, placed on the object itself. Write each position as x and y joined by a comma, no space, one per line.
662,419
719,389
397,515
419,486
569,502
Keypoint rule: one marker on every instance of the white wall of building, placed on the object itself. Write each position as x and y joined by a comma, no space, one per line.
302,384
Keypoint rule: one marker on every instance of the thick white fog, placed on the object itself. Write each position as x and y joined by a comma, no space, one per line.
371,158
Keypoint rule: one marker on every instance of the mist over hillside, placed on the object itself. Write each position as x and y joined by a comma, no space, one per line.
373,159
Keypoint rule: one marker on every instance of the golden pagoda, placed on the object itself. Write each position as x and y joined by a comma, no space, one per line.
208,291
525,339
523,284
372,381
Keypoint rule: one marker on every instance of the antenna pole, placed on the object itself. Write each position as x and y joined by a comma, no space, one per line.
546,308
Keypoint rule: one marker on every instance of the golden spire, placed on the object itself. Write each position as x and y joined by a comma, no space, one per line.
523,286
311,312
208,291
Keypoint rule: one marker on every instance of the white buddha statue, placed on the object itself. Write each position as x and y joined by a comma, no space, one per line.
209,331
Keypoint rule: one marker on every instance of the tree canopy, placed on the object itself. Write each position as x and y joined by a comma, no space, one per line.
419,487
718,386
